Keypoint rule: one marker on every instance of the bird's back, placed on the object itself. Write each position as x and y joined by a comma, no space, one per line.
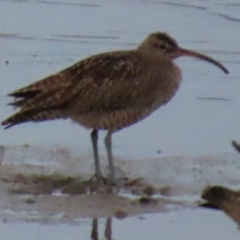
103,83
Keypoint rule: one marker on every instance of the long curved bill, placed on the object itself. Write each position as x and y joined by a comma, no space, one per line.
185,52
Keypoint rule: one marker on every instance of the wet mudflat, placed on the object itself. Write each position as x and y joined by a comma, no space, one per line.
160,198
169,158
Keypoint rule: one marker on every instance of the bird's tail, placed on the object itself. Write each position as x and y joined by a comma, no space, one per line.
34,116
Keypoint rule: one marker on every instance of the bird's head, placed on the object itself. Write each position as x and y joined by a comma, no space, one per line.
167,48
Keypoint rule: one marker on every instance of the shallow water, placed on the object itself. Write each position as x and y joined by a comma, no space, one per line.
195,128
187,224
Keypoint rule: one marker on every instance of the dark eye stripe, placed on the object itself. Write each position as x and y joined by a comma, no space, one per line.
162,46
164,37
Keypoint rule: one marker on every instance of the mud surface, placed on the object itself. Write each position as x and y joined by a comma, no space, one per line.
49,190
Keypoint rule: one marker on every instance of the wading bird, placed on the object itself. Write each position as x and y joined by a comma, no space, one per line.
108,91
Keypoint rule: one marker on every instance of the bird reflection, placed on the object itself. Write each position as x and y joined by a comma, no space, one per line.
94,233
107,232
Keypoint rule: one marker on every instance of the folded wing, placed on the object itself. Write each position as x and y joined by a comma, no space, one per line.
98,83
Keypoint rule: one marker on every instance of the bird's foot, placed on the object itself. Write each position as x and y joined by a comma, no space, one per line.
107,182
101,185
99,178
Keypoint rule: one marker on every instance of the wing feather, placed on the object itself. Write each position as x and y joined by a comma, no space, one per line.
100,82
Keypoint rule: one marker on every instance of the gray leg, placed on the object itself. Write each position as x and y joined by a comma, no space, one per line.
108,144
94,137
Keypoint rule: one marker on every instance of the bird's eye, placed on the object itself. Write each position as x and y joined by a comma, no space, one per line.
162,46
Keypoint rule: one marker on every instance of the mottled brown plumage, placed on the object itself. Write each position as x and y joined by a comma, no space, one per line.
108,91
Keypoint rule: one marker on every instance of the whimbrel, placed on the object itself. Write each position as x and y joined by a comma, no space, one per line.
108,91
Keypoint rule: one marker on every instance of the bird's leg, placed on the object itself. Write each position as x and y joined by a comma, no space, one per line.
108,144
94,137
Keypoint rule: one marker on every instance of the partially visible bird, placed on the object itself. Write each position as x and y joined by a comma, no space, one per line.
108,91
226,199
